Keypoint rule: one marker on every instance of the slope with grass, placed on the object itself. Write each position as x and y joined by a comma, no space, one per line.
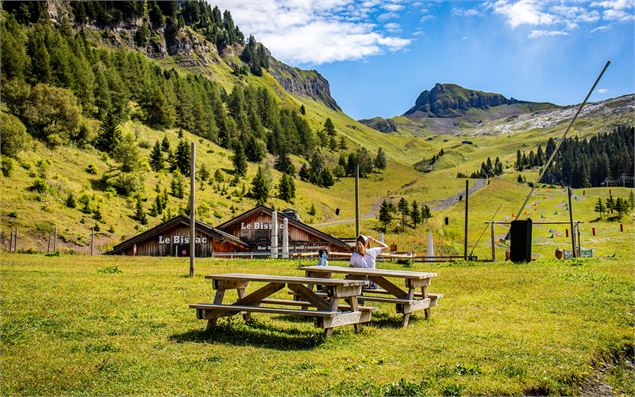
121,326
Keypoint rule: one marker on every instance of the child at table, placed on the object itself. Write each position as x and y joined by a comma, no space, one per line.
322,254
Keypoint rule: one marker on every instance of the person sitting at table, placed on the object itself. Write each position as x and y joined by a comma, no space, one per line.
364,256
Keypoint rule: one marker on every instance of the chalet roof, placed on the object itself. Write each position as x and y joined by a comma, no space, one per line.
176,221
292,222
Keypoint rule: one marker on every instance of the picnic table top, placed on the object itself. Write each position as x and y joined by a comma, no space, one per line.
286,279
370,272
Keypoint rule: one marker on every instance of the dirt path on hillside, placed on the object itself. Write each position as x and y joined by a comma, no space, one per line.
436,205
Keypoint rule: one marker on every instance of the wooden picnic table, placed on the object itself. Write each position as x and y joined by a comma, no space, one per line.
329,312
407,300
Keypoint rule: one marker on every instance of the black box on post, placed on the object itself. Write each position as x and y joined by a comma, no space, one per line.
520,235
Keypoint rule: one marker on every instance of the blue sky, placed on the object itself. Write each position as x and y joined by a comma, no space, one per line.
379,55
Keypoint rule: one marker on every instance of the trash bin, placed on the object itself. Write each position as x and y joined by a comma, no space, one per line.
520,236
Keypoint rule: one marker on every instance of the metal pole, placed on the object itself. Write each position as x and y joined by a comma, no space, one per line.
573,250
192,209
546,166
467,195
357,199
92,241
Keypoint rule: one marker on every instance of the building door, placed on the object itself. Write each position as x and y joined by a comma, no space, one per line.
182,250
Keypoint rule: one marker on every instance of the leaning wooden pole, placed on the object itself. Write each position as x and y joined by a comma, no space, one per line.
192,209
573,247
467,198
553,155
357,200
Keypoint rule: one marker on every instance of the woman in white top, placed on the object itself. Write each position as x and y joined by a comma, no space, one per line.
364,256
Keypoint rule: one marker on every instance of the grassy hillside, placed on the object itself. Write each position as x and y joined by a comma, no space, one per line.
541,329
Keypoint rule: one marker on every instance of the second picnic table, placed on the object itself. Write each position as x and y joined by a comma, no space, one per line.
329,314
407,300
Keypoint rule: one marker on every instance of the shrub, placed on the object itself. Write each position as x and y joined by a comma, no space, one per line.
39,185
54,140
14,135
70,200
7,166
91,169
126,183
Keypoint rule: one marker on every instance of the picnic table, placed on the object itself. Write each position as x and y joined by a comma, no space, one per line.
406,301
328,313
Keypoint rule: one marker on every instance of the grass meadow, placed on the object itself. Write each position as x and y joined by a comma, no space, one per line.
81,325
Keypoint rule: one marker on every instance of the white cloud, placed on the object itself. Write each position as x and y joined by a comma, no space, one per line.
600,29
470,12
393,7
316,31
393,27
603,91
523,12
543,33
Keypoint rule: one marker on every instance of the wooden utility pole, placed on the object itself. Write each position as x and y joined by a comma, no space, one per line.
192,209
467,197
92,241
493,242
573,248
357,200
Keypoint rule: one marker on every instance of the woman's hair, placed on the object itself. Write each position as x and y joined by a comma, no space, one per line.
360,245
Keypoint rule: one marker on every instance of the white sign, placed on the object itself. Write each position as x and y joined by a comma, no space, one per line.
181,240
258,226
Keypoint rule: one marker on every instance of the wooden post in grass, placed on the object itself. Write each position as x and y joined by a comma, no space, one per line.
48,245
357,200
55,239
467,197
573,249
493,240
192,209
92,241
15,240
11,240
578,237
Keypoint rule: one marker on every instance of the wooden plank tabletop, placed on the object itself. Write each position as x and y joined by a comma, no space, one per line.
370,272
286,279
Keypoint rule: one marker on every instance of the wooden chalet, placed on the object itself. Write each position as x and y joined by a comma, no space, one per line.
172,238
254,228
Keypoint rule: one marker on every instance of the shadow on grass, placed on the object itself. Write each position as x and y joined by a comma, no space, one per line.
253,334
385,320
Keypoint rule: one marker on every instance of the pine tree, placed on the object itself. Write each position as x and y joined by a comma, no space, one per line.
326,178
343,145
204,173
302,110
182,157
260,187
283,162
385,214
402,206
304,172
415,214
380,160
109,135
239,160
156,158
426,213
286,188
127,154
329,128
140,213
176,185
165,144
610,204
600,208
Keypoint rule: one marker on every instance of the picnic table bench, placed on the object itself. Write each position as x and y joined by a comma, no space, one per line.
406,301
328,313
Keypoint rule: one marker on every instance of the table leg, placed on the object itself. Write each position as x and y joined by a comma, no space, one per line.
241,294
333,306
354,308
424,295
406,317
218,299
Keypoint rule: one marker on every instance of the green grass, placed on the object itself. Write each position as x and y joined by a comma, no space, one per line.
69,327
